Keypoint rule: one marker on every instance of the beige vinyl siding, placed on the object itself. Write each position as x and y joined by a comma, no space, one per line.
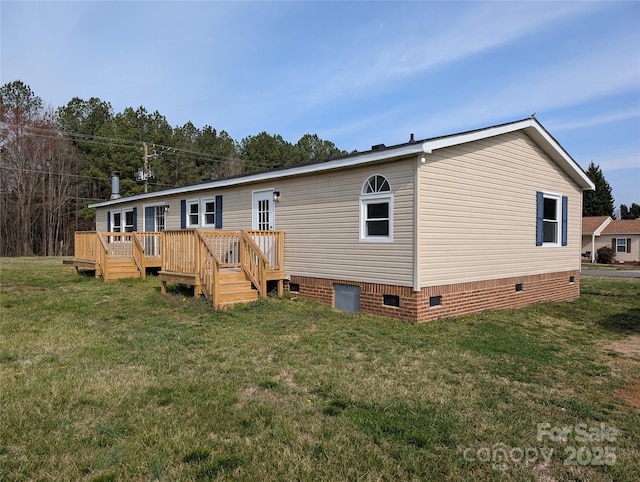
320,215
477,212
634,255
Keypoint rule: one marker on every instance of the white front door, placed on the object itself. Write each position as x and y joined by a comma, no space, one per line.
263,212
263,220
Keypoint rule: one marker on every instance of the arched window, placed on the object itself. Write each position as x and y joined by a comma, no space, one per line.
376,184
376,210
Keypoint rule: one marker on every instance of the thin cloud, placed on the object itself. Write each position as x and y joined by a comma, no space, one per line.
596,120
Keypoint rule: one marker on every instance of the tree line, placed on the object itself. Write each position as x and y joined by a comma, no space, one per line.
601,202
54,162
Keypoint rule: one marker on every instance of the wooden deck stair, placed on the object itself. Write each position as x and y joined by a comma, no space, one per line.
235,288
120,268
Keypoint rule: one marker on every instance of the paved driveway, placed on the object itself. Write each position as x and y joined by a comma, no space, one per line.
622,273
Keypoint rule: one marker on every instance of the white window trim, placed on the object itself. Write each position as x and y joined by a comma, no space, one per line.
621,245
191,202
113,221
203,214
558,198
377,198
123,219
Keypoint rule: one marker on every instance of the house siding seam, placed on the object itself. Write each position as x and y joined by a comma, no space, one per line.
457,299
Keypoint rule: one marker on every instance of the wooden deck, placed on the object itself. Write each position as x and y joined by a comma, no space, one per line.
226,267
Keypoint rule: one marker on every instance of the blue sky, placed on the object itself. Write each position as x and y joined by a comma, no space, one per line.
355,73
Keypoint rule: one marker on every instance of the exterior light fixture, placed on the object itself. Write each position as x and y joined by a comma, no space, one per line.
276,196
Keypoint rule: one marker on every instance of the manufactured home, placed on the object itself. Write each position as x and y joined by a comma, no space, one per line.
484,219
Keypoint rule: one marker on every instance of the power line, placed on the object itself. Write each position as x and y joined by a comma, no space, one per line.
65,174
49,133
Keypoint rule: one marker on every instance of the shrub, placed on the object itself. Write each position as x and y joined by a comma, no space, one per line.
605,255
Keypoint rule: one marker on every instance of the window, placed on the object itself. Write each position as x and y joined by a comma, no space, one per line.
160,218
122,221
376,210
550,222
193,214
201,212
209,212
551,219
116,223
621,245
128,221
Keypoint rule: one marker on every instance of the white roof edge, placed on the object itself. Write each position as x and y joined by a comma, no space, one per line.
531,126
604,224
448,141
364,158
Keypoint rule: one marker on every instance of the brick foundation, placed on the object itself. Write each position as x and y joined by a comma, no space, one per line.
455,299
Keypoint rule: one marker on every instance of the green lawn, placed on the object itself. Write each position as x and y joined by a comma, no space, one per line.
113,381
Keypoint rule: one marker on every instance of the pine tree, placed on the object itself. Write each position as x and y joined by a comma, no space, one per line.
600,201
630,213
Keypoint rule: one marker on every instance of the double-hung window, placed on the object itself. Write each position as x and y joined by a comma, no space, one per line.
128,221
551,219
209,213
376,210
193,214
203,212
623,245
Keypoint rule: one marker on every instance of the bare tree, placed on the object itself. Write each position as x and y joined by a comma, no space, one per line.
38,168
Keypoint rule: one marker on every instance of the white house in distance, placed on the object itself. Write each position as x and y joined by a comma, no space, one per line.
622,235
485,219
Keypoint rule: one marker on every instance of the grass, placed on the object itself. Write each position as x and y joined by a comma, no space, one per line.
113,381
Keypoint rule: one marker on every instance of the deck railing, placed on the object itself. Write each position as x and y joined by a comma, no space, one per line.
198,253
225,245
271,243
86,247
179,252
208,268
152,243
254,263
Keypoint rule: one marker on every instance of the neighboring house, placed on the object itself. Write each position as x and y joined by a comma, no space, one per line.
623,236
592,227
485,219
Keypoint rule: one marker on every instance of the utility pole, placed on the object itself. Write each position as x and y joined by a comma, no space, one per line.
144,173
146,166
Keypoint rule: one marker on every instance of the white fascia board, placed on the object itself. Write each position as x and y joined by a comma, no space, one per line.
600,228
533,128
368,157
448,141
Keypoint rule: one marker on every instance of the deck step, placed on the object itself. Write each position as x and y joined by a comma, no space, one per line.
121,268
237,296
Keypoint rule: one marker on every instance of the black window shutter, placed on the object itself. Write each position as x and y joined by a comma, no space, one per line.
135,218
108,221
183,214
613,244
565,212
539,217
218,212
628,245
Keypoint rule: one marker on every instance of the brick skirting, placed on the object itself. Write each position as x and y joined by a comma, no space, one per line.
455,299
